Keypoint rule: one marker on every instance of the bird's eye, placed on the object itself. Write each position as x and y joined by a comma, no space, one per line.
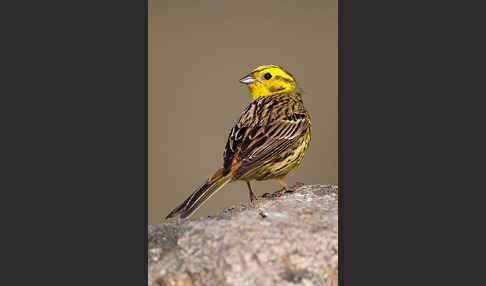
267,76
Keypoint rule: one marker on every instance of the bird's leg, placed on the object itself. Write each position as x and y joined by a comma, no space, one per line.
285,187
252,195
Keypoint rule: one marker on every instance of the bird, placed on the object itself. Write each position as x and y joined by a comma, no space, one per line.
269,139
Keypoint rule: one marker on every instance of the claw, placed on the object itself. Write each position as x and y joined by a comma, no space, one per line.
281,192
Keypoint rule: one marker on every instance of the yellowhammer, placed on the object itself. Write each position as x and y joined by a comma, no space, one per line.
268,141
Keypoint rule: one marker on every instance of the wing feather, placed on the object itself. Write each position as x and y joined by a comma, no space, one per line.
276,127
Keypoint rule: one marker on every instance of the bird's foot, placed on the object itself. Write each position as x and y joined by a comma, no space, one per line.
274,194
279,193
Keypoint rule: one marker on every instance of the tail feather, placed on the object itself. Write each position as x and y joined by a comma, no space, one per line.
203,193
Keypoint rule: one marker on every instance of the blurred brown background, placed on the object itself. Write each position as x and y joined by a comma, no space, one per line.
198,50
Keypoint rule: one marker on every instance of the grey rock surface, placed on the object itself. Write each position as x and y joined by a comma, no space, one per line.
287,240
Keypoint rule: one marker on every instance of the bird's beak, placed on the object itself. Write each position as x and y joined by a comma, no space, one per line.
248,79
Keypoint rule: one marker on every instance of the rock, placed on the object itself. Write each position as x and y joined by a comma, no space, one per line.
289,240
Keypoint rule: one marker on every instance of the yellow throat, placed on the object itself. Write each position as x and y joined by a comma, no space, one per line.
269,80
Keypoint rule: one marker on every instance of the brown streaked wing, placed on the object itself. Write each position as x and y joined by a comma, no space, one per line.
261,139
267,147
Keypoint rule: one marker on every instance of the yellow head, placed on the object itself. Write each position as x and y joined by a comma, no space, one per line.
269,80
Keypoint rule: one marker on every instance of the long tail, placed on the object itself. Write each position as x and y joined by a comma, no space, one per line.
202,194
